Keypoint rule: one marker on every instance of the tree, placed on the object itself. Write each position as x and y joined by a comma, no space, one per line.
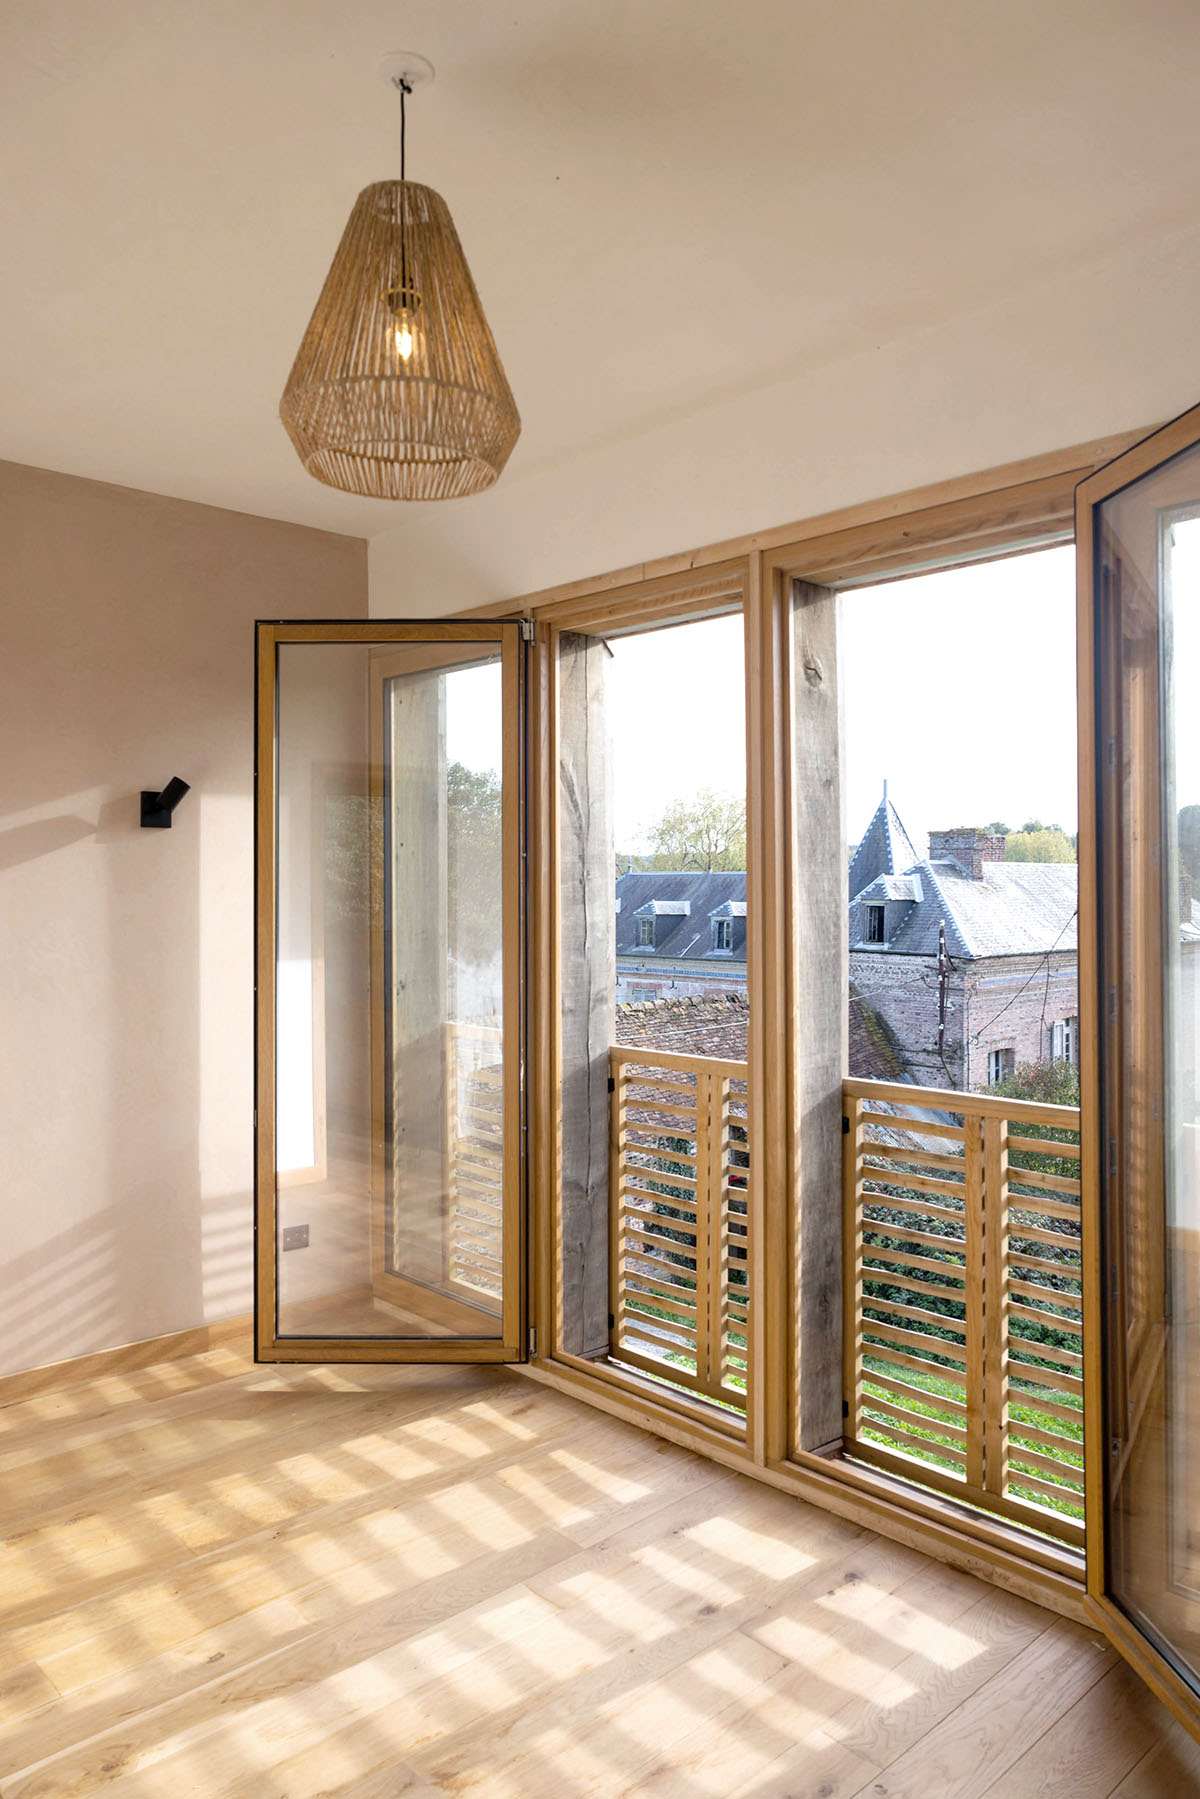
473,820
996,829
706,833
1039,843
1189,841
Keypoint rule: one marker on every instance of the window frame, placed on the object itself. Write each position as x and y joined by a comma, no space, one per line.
996,513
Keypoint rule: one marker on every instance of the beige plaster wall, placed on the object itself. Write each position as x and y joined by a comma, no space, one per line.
126,656
1105,346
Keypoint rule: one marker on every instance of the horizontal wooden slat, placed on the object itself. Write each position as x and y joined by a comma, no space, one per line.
1040,1377
1024,1347
908,1283
906,1415
924,1158
903,1389
1044,1146
1048,1489
913,1183
1047,1439
879,1228
1072,1302
980,1105
913,1127
1051,1320
895,1308
910,1340
894,1202
914,1445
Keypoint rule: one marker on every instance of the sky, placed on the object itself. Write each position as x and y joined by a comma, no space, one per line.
958,688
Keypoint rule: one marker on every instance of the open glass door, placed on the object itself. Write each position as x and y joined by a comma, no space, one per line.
389,1161
1139,561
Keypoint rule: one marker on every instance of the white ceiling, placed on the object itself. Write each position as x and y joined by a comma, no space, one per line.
665,203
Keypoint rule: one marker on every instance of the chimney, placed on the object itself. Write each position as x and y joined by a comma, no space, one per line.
969,850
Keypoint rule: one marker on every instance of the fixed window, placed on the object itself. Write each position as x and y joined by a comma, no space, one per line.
875,933
723,933
1001,1066
645,933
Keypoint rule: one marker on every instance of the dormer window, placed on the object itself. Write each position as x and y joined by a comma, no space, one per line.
875,933
722,933
645,933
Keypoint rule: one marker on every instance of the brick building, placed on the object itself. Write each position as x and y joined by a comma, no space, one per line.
962,965
969,960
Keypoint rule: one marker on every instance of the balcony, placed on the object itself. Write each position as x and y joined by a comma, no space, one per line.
963,1309
678,1166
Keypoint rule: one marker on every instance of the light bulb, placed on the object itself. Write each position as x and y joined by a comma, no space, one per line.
404,340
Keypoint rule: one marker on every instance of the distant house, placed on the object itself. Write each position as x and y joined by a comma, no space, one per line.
680,935
969,960
962,965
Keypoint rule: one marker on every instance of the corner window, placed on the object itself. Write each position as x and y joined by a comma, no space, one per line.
723,933
875,925
645,933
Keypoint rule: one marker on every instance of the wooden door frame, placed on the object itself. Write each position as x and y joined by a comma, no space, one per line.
511,1343
1097,896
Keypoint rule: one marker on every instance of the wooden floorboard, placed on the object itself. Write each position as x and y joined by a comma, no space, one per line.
232,1582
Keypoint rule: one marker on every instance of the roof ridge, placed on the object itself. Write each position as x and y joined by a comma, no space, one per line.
951,915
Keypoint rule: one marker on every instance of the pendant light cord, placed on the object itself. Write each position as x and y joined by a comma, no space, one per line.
405,89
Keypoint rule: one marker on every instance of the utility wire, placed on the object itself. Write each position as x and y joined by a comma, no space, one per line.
1033,977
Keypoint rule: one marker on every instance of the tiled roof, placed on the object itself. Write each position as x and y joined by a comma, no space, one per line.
874,1052
714,1024
683,905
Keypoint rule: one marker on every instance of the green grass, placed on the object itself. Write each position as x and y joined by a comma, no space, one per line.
1023,1409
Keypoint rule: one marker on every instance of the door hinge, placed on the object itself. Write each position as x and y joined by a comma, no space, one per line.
528,630
532,1341
845,1125
612,1085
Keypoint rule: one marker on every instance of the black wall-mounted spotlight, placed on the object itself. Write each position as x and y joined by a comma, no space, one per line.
158,807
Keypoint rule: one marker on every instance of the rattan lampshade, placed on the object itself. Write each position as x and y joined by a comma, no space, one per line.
397,390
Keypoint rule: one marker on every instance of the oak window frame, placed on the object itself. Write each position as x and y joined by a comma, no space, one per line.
1000,512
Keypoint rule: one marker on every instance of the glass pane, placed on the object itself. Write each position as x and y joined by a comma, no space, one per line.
654,1022
1149,542
390,1090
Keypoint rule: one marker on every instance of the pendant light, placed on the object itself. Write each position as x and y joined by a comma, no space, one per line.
397,391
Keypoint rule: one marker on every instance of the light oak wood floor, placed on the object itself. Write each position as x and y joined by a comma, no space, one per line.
221,1580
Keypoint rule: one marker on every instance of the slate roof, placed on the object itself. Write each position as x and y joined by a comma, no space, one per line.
886,848
1016,909
683,905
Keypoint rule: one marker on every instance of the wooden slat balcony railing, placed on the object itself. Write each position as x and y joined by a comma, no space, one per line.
964,1320
678,1168
474,1154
